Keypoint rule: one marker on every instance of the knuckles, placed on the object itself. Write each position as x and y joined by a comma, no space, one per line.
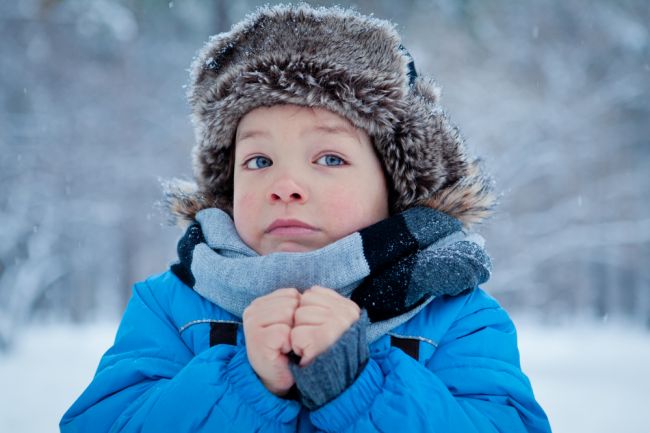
306,340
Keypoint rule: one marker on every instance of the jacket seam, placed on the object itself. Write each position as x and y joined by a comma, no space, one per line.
415,337
200,321
507,371
479,310
162,313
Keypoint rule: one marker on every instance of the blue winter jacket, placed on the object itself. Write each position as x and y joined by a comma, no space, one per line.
161,375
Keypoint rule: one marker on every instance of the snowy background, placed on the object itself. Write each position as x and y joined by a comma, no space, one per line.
552,94
589,377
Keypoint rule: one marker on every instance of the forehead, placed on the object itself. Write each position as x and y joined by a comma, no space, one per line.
298,120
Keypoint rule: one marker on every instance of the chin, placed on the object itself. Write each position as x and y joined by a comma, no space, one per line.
291,248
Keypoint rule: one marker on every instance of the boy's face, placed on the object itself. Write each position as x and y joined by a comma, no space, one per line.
303,178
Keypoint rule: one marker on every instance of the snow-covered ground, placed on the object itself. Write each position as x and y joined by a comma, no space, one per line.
590,377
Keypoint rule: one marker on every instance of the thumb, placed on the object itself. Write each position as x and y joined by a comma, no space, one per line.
286,346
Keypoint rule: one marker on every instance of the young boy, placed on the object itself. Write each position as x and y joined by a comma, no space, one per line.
327,280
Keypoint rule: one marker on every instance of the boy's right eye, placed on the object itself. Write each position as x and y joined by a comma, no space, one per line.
257,162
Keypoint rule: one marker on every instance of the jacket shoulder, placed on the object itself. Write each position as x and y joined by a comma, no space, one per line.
168,295
447,316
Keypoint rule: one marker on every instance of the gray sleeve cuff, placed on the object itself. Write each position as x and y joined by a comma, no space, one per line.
334,370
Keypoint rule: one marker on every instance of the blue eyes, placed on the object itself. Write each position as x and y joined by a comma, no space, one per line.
258,162
331,160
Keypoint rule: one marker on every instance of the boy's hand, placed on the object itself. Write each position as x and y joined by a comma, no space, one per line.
268,321
320,320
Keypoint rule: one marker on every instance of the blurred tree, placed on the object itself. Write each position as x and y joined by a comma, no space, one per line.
553,94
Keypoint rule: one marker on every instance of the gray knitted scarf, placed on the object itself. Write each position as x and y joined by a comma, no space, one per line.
392,269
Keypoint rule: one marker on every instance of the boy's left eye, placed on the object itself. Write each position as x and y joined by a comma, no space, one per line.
330,160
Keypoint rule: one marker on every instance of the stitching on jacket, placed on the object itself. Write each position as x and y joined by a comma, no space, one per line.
414,337
199,321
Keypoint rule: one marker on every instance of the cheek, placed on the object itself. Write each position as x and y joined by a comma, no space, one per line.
245,195
244,200
244,211
339,198
351,209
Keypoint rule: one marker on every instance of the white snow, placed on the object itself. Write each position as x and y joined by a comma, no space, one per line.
46,371
590,377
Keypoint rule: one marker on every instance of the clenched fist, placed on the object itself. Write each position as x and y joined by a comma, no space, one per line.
268,321
285,321
321,318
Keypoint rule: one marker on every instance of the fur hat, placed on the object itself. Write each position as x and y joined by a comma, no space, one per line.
348,63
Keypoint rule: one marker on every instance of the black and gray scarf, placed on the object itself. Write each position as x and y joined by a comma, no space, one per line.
392,269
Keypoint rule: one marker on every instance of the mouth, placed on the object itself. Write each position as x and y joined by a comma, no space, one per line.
289,227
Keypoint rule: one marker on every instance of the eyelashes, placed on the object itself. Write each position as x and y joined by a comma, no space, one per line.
330,158
259,162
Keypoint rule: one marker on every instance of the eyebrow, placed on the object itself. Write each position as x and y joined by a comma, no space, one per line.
251,133
334,129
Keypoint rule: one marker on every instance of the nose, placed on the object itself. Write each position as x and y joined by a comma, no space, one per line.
287,190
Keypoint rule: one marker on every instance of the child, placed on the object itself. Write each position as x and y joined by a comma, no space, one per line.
327,280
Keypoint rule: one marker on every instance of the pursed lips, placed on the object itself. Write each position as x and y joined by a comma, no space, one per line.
289,227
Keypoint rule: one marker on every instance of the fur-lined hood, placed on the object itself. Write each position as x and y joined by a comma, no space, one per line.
350,64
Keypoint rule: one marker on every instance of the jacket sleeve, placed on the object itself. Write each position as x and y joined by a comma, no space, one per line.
150,381
473,383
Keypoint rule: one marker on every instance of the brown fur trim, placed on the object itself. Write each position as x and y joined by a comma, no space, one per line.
350,64
471,199
182,200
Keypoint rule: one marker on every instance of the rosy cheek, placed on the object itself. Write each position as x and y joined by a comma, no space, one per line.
336,198
355,208
345,208
244,200
244,212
